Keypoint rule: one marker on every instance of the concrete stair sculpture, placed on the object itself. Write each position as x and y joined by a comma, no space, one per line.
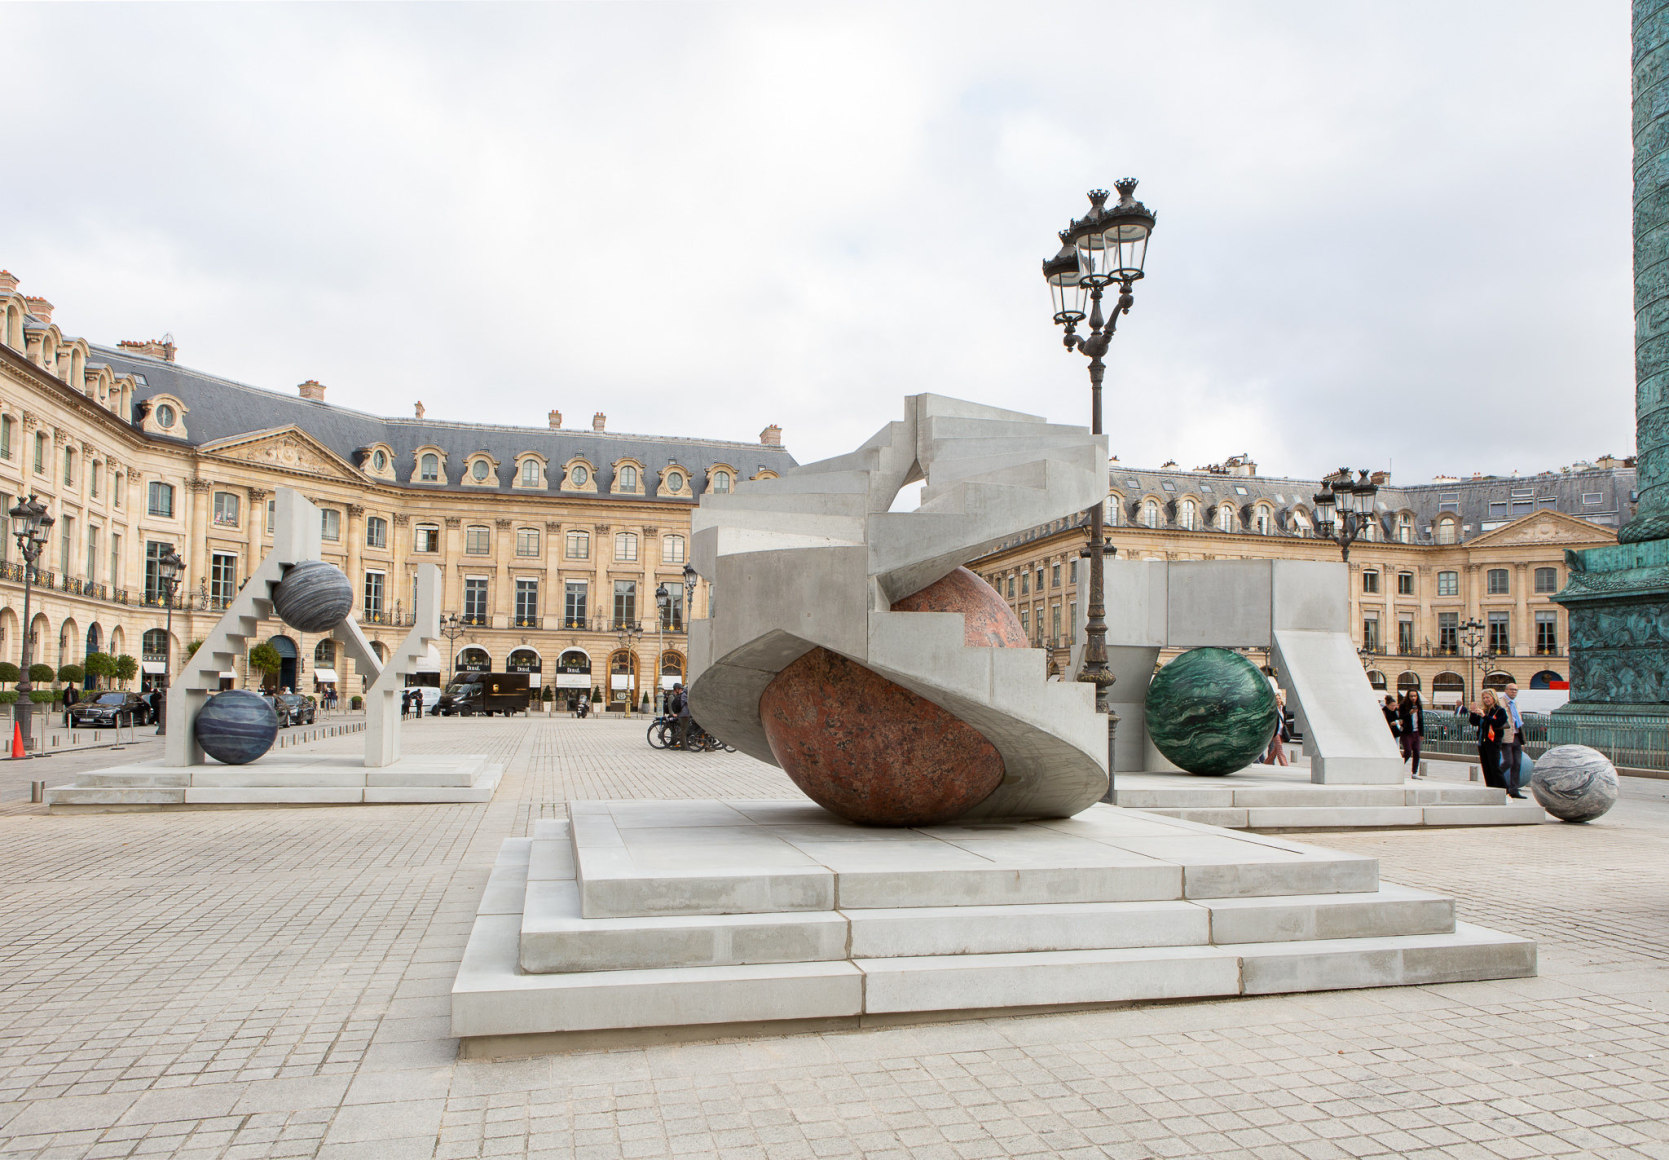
816,559
708,919
382,710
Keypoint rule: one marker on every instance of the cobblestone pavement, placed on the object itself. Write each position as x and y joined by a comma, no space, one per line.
273,983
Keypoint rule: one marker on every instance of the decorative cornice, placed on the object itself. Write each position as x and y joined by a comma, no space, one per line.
198,485
502,524
454,522
355,510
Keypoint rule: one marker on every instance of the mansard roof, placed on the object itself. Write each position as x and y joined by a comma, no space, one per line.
223,409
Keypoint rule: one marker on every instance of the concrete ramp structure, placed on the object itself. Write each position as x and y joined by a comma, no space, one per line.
816,559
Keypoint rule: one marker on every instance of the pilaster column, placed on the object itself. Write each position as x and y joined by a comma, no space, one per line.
400,571
602,589
1523,636
197,535
504,592
551,594
452,584
355,532
254,528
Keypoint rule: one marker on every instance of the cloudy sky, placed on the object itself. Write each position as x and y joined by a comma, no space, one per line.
1389,233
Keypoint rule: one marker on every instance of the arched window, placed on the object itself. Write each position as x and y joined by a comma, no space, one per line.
428,469
721,481
1408,681
579,546
225,510
474,660
1405,529
1445,531
1188,515
160,500
1150,513
1110,515
153,646
1300,523
1263,521
625,546
1376,679
1499,680
324,654
530,473
1447,689
1225,518
628,478
672,549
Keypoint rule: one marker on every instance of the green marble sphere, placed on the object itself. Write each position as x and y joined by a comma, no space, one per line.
1211,711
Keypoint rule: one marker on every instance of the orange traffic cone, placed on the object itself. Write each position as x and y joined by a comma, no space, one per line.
17,739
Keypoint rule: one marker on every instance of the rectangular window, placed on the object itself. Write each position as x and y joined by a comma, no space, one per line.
1405,635
625,603
330,523
1497,509
475,600
1448,633
527,602
376,532
1497,581
5,532
579,545
93,480
69,467
1055,577
1055,623
1547,633
1405,583
1025,583
1547,581
672,616
223,577
225,510
1448,583
40,452
527,540
1593,497
160,500
119,488
66,547
272,516
373,595
625,546
672,549
1040,579
1011,588
573,604
477,540
426,539
6,425
1072,571
155,550
1072,622
1026,622
1370,582
115,560
1499,641
92,553
1370,631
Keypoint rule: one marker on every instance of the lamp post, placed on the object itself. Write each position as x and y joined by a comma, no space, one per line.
1344,507
1471,634
452,628
168,569
32,526
1105,247
628,636
663,603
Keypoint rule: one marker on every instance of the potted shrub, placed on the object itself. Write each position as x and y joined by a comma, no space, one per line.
264,659
356,701
40,674
9,673
126,669
100,666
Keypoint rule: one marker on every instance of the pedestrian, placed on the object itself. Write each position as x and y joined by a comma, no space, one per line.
1277,754
679,706
1514,749
1491,720
1390,711
1411,715
70,698
405,703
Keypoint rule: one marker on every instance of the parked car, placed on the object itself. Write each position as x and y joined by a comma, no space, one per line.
299,707
430,695
111,708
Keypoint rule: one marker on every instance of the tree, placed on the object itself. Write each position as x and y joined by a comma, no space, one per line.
71,674
40,674
126,669
9,672
101,666
191,647
264,659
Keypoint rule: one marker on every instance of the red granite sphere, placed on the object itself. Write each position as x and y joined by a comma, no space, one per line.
872,751
989,621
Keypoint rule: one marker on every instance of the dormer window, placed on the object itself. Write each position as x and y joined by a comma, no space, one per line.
428,468
478,470
580,475
379,460
166,416
530,473
674,481
628,478
721,482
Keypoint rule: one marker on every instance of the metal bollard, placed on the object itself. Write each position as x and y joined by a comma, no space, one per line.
37,791
1473,773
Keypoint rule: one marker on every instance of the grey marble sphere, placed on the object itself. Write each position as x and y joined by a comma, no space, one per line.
236,726
313,596
1574,783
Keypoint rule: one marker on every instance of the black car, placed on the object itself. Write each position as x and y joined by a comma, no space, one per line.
297,708
112,708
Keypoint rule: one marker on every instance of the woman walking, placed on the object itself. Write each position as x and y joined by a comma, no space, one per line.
1491,720
1277,754
1411,715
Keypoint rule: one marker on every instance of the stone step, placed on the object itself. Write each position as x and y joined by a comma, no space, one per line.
156,780
116,797
1360,817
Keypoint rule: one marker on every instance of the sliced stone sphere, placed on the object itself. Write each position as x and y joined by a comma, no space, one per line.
1574,783
1211,711
313,596
871,751
236,726
987,621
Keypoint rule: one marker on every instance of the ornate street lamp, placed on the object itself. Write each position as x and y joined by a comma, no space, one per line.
169,566
1106,247
690,579
451,627
628,634
31,526
663,605
1472,633
1344,507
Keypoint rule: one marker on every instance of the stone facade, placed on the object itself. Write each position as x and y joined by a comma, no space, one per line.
1456,564
131,451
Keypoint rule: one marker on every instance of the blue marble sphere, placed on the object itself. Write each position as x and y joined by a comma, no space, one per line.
236,726
313,596
1574,783
1211,711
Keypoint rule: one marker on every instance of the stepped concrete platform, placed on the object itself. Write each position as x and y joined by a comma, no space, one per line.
279,780
1274,798
681,919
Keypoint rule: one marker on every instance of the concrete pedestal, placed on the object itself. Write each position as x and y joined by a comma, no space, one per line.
706,918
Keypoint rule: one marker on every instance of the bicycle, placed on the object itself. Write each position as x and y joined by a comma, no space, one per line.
660,732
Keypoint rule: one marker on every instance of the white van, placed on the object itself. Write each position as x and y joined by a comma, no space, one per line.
429,693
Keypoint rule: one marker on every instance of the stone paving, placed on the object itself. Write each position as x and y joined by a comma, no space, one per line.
273,983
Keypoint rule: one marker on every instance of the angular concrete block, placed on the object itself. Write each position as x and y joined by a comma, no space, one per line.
981,930
1334,817
1469,953
1388,912
267,795
1508,814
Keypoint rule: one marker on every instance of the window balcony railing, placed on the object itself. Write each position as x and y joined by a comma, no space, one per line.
474,620
526,622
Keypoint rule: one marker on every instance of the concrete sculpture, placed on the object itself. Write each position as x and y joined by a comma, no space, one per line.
236,727
313,596
1211,711
1574,783
832,606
